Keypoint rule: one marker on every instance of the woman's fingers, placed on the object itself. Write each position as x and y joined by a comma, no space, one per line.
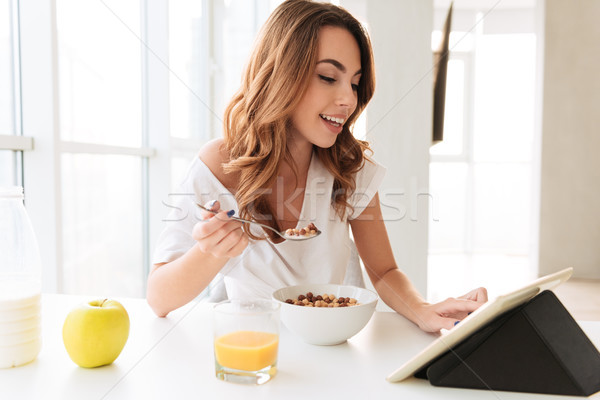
456,306
214,235
479,295
233,244
448,323
213,205
431,321
446,314
209,226
210,222
217,234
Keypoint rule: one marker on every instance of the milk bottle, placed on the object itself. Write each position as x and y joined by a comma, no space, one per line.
20,282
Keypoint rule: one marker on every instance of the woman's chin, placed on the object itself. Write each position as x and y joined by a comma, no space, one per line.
325,144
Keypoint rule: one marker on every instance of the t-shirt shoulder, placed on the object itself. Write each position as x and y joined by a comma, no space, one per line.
199,185
368,179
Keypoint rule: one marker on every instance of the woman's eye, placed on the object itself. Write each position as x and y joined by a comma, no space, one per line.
355,87
326,79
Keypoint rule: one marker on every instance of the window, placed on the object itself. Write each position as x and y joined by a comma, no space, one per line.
188,56
205,73
99,72
99,96
191,114
481,176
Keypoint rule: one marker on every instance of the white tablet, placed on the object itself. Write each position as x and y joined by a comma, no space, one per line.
476,320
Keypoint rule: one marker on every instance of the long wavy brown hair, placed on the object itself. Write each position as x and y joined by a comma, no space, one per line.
258,118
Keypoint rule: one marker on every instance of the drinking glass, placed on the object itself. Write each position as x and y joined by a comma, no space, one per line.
246,340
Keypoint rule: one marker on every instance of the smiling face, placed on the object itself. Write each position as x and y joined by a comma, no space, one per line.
331,95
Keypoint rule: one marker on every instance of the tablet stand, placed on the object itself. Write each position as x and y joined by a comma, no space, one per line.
536,347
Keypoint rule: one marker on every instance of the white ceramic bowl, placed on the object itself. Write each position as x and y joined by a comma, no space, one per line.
323,325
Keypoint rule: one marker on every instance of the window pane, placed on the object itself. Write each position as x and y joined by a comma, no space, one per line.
504,98
7,168
242,20
102,225
502,207
99,71
239,32
448,185
189,70
6,71
204,75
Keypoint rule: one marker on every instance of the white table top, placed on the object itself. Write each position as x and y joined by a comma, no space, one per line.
172,358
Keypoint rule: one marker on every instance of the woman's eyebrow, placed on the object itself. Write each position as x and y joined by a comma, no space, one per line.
338,65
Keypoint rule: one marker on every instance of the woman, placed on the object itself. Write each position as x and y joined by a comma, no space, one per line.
288,158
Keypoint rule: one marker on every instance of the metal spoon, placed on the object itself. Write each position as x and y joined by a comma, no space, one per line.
281,234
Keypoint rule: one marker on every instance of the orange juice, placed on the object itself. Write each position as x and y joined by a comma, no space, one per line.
247,350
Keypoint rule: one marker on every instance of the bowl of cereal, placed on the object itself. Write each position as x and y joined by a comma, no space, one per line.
325,314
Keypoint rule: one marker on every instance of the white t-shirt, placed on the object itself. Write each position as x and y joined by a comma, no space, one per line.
264,267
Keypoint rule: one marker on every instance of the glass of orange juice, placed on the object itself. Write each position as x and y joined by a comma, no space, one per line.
246,340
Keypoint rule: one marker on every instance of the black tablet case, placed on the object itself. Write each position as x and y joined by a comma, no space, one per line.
536,347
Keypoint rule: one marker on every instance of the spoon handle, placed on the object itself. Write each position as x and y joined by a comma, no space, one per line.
245,221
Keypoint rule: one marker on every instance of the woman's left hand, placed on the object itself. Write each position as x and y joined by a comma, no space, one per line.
447,313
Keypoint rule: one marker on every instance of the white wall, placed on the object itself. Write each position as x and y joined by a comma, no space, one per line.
570,169
399,122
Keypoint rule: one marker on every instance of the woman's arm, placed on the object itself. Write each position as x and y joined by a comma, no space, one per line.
394,287
174,284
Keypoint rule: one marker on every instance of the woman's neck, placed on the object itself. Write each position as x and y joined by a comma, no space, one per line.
287,193
301,154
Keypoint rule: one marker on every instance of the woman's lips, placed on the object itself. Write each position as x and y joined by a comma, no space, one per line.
333,126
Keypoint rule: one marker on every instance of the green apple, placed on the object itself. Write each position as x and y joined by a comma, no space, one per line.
94,333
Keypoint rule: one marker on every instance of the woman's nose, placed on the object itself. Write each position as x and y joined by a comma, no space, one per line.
347,96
